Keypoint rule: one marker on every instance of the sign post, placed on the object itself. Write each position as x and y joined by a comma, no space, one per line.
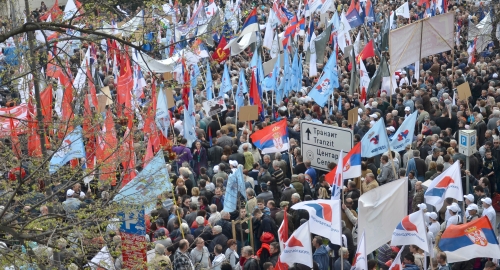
321,144
467,146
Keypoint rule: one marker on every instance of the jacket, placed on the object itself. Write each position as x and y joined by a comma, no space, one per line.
299,188
412,267
251,264
386,174
220,239
417,199
320,256
287,194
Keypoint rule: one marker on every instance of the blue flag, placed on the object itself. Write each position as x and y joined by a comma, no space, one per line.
226,82
295,84
235,185
325,85
210,84
274,77
195,72
404,134
375,141
242,90
354,19
339,107
71,148
288,74
260,69
189,121
145,188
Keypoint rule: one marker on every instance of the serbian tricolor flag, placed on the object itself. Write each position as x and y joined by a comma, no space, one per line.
475,239
352,165
251,23
273,138
220,54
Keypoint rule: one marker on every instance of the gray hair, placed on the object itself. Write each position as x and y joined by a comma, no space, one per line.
416,153
250,192
276,163
213,208
185,228
200,220
248,250
224,213
160,249
296,196
218,229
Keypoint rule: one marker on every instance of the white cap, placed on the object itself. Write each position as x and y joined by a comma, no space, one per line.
486,200
391,128
422,206
472,206
360,111
70,192
407,109
403,72
374,116
433,215
233,163
216,168
469,197
454,208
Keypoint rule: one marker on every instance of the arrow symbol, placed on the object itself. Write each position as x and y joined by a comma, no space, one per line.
308,132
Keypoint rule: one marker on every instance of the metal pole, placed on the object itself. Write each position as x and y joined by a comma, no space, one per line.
467,175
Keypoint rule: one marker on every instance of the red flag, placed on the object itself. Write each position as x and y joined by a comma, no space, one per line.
106,149
125,84
66,107
16,147
149,153
46,100
426,2
55,11
220,55
279,12
283,238
368,51
129,156
354,5
53,69
186,87
254,93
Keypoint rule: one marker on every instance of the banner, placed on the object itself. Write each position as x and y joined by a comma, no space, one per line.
420,39
214,106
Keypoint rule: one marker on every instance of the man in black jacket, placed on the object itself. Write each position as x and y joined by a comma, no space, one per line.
218,239
250,262
225,223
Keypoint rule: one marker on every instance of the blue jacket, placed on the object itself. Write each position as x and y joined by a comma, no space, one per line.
320,256
411,267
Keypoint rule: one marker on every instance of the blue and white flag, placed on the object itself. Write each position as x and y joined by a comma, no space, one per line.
226,82
325,85
235,185
242,90
209,83
195,72
404,134
71,148
375,141
190,121
288,74
145,188
162,116
272,80
446,185
295,83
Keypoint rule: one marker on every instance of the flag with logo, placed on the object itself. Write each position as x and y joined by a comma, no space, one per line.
241,90
71,148
324,218
475,239
411,231
375,141
220,54
352,165
162,116
321,92
298,247
445,186
360,261
283,238
396,264
404,134
338,178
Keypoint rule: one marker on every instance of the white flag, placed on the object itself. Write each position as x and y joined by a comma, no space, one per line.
403,10
360,261
313,69
298,248
447,185
411,231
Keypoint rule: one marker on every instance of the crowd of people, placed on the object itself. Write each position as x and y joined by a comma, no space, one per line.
190,229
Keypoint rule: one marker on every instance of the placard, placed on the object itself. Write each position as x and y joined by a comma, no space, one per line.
107,93
214,106
168,76
170,98
101,103
352,116
464,91
248,113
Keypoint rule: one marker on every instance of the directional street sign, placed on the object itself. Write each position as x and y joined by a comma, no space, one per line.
133,221
321,144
